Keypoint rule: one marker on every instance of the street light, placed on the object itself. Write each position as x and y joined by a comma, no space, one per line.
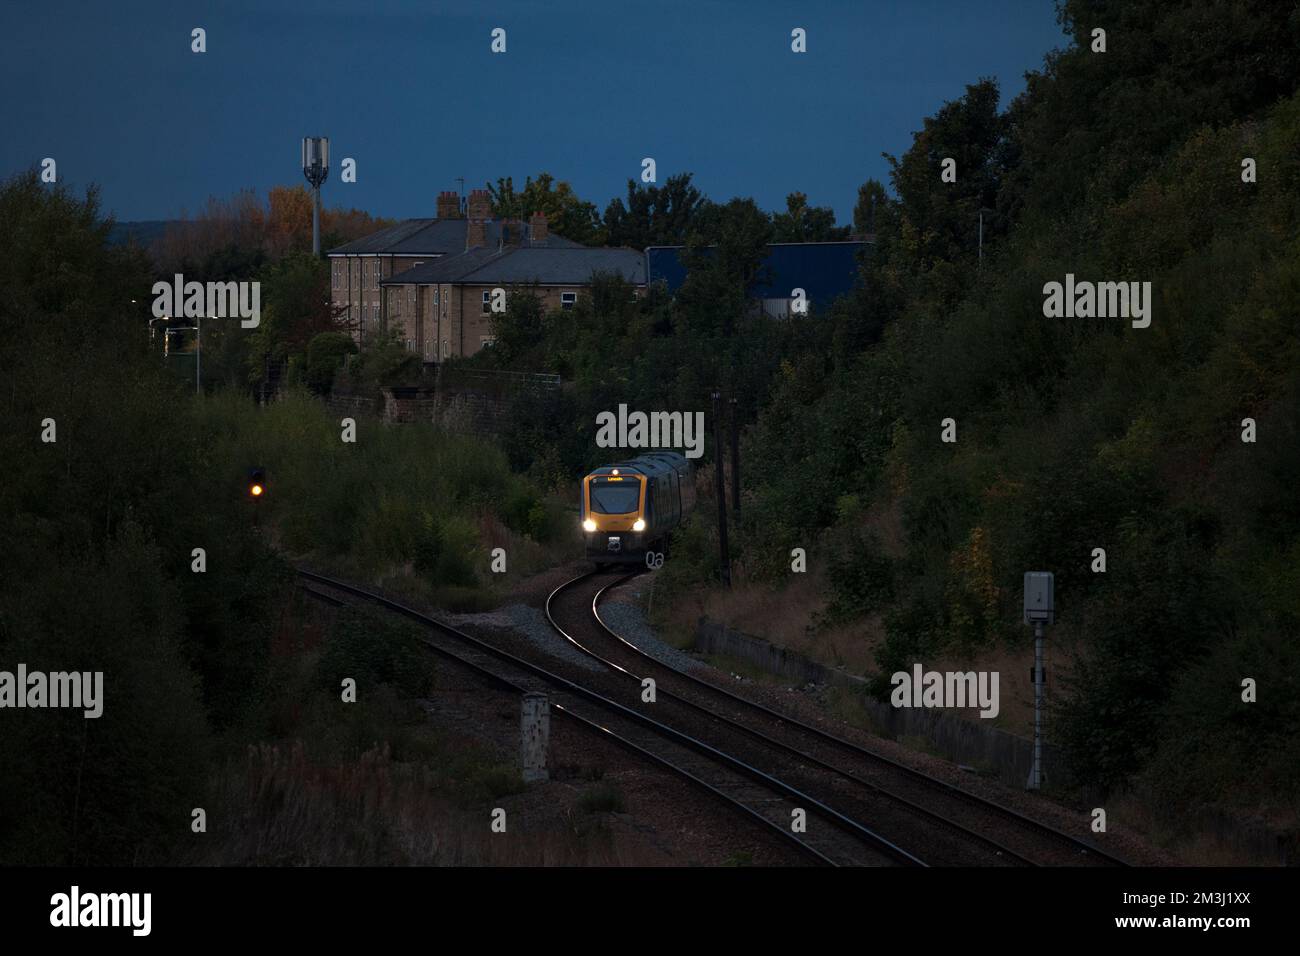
316,167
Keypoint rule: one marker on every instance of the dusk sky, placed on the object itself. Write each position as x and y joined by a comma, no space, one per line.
412,92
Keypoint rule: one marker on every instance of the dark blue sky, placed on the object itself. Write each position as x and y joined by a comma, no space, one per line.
413,93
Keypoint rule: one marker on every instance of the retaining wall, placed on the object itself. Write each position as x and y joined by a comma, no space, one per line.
987,748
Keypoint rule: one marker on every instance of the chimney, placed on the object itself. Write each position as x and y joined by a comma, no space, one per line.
537,224
480,204
512,232
479,208
448,205
475,233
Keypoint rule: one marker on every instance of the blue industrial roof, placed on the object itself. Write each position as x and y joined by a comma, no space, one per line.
824,270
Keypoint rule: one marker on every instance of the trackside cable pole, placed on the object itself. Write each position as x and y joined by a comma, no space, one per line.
720,488
735,459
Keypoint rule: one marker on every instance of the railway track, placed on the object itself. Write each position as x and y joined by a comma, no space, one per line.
829,837
955,826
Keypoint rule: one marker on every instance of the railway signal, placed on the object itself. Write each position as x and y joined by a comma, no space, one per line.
256,483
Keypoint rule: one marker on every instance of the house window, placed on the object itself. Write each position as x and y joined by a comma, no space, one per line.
487,301
485,340
568,300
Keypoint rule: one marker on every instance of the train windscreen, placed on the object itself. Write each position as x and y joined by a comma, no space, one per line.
610,498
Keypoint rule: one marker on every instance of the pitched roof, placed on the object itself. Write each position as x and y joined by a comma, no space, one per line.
518,265
447,269
429,237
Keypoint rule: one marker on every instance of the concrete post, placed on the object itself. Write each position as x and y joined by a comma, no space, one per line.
534,736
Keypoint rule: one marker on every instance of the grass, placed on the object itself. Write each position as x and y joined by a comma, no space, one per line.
604,797
923,744
734,665
849,705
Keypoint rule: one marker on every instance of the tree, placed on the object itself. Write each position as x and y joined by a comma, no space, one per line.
943,216
803,223
566,214
654,215
517,331
296,307
871,208
325,356
95,549
233,238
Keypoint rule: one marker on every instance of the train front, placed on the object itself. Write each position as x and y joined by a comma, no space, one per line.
613,517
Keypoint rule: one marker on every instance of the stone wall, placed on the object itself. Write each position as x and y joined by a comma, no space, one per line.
347,405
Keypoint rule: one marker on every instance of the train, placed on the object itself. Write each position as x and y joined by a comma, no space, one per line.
631,508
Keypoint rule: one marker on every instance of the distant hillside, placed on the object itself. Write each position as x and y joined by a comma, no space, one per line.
145,231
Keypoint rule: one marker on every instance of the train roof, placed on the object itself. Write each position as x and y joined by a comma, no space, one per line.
652,463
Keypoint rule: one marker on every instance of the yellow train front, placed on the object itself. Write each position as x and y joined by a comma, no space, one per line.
631,508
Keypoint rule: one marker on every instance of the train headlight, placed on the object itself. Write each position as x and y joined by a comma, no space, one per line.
589,525
638,525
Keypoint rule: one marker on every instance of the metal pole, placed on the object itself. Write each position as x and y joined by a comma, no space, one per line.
735,460
1036,777
315,222
721,490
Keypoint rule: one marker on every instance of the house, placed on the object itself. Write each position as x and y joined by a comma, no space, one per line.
358,267
823,270
443,308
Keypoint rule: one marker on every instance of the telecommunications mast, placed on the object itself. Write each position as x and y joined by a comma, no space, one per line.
316,167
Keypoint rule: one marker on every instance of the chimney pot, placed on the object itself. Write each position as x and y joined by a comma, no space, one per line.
480,204
448,205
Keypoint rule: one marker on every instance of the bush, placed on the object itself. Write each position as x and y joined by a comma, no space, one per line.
326,354
861,578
